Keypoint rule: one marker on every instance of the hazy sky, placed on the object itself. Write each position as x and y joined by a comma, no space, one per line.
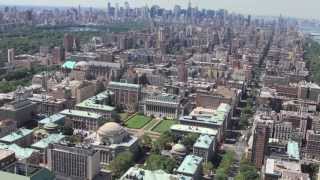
296,8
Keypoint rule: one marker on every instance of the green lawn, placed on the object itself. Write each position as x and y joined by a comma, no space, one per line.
164,126
137,122
150,124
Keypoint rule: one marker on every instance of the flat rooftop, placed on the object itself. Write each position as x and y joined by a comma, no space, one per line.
277,166
85,114
194,129
217,117
190,164
121,84
204,141
103,95
163,97
20,133
293,150
69,64
151,175
90,104
44,143
5,153
21,171
20,152
52,119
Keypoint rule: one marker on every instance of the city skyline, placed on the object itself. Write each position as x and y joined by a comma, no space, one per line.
269,8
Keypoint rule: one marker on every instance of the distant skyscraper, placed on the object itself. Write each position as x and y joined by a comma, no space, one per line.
182,69
76,44
161,34
116,13
11,54
182,73
108,8
58,55
79,11
68,42
127,8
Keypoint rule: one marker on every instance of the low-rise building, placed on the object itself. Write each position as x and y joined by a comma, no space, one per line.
55,118
22,137
42,145
204,147
137,173
83,120
191,166
28,155
215,119
110,140
126,95
6,157
7,126
21,109
24,171
46,104
164,105
276,169
312,149
75,162
180,130
100,104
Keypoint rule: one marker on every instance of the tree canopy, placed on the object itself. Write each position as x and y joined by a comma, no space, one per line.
225,166
146,140
121,163
247,171
189,140
156,161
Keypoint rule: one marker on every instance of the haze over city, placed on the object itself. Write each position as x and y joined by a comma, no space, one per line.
159,90
295,8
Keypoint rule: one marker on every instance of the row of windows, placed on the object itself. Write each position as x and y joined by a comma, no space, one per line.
69,164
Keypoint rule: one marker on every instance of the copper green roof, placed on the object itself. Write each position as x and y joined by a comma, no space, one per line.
90,104
190,165
20,152
204,141
293,150
20,133
43,143
55,118
69,64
